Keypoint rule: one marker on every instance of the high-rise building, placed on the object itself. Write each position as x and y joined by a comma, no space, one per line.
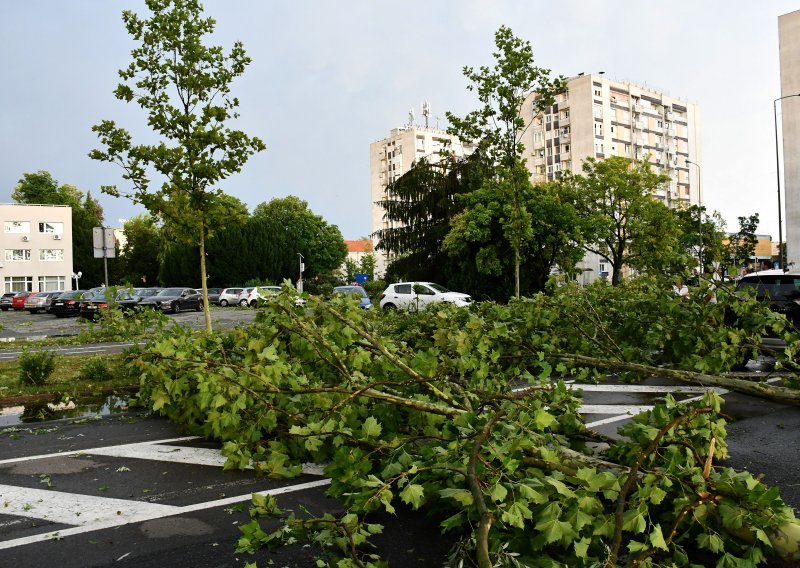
597,118
393,156
789,38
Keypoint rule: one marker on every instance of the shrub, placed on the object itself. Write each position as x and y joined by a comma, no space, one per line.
36,367
95,370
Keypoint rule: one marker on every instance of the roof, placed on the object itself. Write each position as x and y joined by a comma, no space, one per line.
363,245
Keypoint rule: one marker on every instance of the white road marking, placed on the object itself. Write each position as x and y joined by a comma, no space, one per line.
134,514
175,454
90,450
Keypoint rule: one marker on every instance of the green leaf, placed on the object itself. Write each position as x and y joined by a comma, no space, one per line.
543,419
463,496
413,495
498,492
657,538
371,428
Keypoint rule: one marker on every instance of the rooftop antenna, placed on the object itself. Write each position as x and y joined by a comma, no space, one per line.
410,117
426,111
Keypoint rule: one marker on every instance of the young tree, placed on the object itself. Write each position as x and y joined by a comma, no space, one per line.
497,126
184,87
626,225
742,244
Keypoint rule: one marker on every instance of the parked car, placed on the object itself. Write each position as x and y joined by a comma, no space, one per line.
260,293
92,304
419,295
357,291
40,301
146,292
213,294
243,296
5,301
18,301
229,296
67,303
781,290
174,300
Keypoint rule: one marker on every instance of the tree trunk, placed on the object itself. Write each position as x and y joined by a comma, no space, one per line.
203,278
516,271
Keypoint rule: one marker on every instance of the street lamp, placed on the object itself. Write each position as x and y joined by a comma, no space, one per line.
781,251
300,280
699,214
77,277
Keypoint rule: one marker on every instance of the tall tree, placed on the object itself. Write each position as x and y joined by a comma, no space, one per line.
184,87
497,126
421,205
294,229
626,225
141,253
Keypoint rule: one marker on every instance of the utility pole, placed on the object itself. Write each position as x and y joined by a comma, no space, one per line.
300,280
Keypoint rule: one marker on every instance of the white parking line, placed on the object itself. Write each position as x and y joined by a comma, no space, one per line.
126,512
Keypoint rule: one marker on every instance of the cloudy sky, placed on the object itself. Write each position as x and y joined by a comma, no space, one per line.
328,78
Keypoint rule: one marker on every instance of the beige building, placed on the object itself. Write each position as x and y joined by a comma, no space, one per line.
37,247
789,38
597,118
393,156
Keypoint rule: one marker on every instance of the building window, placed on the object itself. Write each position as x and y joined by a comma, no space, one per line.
598,93
51,283
548,118
537,136
18,284
598,128
16,227
51,254
598,148
565,114
18,254
54,228
565,148
598,111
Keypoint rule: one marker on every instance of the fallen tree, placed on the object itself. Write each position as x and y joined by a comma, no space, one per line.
418,411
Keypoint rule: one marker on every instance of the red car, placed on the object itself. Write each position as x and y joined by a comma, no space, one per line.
18,301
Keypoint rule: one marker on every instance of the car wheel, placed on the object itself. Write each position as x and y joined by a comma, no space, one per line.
253,304
243,303
4,309
223,303
199,307
176,308
389,307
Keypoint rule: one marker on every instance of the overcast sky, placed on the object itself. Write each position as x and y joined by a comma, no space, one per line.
328,78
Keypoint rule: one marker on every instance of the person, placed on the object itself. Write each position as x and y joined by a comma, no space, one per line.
680,288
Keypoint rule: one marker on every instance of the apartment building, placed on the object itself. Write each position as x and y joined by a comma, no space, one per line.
393,156
597,117
37,247
789,46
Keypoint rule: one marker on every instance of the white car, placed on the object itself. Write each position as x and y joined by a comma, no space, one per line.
259,293
229,296
418,295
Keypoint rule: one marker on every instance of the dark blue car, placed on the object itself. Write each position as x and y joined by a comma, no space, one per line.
357,291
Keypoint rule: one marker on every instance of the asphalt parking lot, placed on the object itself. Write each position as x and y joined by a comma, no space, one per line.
17,326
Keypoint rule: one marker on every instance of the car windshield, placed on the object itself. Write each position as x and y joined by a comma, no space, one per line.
171,292
440,289
781,288
355,290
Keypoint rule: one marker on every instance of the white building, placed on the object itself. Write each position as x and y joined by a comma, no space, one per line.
789,38
393,156
37,247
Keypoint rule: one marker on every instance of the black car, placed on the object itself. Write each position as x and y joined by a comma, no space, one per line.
67,304
5,301
174,300
782,291
92,304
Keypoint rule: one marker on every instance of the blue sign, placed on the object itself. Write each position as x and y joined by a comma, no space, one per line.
361,278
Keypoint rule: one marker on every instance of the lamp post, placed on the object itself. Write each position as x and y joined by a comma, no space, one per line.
77,277
300,280
699,215
781,250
